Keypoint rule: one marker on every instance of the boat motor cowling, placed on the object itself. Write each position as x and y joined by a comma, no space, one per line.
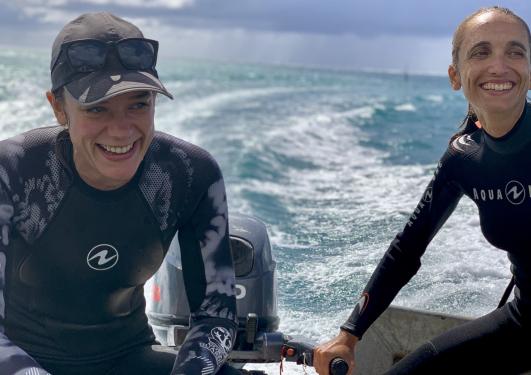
256,299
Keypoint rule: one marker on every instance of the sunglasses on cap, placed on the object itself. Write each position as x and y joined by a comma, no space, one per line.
90,55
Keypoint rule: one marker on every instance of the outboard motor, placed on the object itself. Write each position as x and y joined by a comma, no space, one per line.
257,340
256,288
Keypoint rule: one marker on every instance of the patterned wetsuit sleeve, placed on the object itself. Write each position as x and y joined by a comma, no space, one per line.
13,360
402,259
209,279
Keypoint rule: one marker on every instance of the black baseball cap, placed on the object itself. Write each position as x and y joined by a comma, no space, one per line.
113,78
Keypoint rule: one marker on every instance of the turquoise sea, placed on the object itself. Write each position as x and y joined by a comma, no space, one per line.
332,161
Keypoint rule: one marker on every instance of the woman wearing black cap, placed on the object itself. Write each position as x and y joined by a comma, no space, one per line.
88,210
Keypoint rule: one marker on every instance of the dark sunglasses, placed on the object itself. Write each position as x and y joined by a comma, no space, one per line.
89,55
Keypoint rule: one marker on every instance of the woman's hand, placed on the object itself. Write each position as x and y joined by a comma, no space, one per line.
340,346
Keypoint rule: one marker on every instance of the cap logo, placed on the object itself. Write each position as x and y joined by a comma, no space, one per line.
116,78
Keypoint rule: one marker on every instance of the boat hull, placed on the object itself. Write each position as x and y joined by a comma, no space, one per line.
397,332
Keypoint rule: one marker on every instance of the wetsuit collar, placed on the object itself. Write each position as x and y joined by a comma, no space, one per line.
516,139
65,151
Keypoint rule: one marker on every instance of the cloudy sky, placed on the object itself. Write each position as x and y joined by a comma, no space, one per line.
399,35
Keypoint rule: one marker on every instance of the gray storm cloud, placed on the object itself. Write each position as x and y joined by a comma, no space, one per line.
412,35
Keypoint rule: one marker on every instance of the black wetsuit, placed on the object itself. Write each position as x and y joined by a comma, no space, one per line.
496,174
74,260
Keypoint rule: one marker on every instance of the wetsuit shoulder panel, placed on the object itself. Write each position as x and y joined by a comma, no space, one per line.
466,145
176,174
34,177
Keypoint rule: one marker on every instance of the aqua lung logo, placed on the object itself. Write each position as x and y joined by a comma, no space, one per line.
514,192
102,257
427,195
426,199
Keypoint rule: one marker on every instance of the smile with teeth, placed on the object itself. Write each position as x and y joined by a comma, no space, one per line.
117,149
497,86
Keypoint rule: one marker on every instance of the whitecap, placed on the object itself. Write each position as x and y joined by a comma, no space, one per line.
435,98
362,112
407,107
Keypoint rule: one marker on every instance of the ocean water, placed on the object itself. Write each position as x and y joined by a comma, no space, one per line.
333,162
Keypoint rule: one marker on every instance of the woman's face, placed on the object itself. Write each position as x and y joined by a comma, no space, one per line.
110,138
493,66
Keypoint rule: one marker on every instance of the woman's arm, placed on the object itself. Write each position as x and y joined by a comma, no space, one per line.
399,264
402,259
209,279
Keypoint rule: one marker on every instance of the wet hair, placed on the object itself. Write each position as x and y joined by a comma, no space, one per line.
468,124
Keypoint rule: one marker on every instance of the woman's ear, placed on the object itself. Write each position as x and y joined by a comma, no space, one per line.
58,108
455,79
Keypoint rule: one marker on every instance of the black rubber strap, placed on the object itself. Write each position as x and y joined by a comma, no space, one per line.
507,293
